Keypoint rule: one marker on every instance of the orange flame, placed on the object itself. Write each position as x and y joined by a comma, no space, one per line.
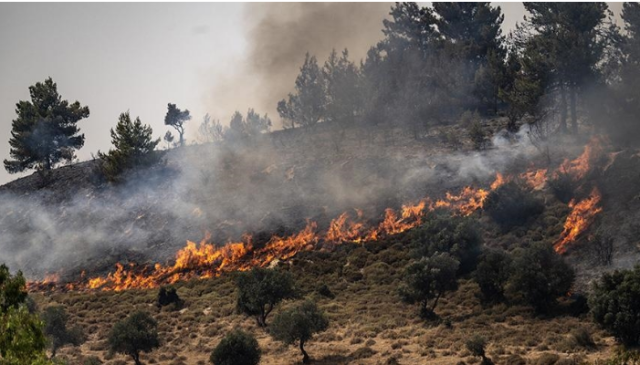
582,215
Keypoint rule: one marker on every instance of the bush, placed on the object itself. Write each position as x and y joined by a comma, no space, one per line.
454,235
512,205
324,290
237,347
134,334
260,290
428,280
476,346
563,186
614,305
168,296
55,328
492,274
477,135
13,291
540,276
299,324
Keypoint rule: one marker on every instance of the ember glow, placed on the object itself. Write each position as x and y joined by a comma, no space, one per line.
205,259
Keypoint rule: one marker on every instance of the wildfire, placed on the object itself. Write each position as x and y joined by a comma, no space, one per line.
579,167
582,215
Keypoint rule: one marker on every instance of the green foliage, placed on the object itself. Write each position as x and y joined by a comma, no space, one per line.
13,290
299,324
342,82
260,290
237,347
511,204
45,131
477,134
55,328
428,279
169,296
492,274
540,276
22,341
614,305
133,147
307,106
455,235
135,334
241,128
176,119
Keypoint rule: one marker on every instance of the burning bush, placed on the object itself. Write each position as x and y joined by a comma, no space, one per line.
133,335
511,205
237,347
614,305
260,290
455,235
492,274
299,324
540,276
428,280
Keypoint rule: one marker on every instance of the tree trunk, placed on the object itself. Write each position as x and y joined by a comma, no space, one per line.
136,358
574,116
305,356
563,110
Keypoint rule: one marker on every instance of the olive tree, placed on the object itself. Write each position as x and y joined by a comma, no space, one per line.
133,335
260,290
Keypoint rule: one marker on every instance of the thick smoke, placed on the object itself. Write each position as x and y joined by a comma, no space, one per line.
278,36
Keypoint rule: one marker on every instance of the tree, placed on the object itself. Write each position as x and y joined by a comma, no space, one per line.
210,130
614,305
169,296
492,274
511,204
21,338
306,106
168,137
176,119
133,145
237,347
55,328
260,290
574,37
45,131
344,98
256,124
135,334
540,276
299,324
429,279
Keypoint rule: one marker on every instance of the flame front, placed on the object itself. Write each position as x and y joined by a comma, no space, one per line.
582,215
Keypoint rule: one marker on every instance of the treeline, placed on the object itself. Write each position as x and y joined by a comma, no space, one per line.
437,62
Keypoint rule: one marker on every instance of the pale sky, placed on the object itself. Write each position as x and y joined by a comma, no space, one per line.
136,57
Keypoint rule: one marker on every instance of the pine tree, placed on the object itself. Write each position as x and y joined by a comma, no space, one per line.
176,119
45,131
307,106
342,78
134,146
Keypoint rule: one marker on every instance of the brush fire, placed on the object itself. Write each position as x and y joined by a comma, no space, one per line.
206,259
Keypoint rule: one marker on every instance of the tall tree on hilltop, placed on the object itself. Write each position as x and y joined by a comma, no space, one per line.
45,131
342,79
575,36
176,119
307,105
472,31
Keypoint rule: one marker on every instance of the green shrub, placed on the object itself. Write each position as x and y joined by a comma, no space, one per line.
168,296
55,328
133,335
492,274
540,276
324,290
615,305
299,324
512,205
237,347
428,280
260,290
455,235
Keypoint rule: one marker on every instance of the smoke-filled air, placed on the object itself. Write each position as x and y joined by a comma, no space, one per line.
381,183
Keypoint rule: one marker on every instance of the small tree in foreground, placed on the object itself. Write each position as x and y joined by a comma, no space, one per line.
55,328
615,305
476,346
540,276
133,335
260,290
237,347
299,324
428,280
492,274
13,290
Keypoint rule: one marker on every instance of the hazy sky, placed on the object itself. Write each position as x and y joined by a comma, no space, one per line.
138,57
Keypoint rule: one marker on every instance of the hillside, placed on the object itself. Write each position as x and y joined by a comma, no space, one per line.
278,185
